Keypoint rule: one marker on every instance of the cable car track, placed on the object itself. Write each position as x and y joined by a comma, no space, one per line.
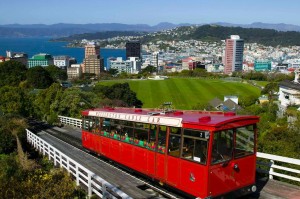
153,189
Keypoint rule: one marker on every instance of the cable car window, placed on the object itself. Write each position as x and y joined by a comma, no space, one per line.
162,134
105,129
152,137
244,141
114,129
222,146
194,147
174,142
141,134
86,123
98,125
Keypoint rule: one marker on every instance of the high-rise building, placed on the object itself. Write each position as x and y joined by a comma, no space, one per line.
93,65
234,54
91,49
92,62
133,49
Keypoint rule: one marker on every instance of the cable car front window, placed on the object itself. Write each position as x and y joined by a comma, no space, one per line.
222,146
244,141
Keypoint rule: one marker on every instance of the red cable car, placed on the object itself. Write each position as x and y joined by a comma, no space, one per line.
203,154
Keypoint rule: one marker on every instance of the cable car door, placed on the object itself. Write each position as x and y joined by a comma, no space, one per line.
222,175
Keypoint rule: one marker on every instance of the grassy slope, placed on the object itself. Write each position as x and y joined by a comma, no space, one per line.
185,93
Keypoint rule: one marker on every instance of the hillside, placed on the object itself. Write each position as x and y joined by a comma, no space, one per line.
100,35
212,33
186,92
217,33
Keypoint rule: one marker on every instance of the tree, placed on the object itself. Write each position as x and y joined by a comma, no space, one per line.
72,101
248,101
269,89
43,101
149,69
12,73
119,92
56,73
38,77
113,71
14,100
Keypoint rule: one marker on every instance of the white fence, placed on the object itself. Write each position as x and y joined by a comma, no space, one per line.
70,121
272,168
268,167
94,183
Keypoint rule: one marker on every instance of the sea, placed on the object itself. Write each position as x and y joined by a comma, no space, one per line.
36,45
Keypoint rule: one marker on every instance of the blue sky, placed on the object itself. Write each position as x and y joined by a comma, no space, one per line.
149,11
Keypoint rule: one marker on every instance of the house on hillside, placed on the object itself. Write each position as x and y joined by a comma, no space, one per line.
289,91
229,104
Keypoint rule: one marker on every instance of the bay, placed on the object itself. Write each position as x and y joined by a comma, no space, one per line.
33,46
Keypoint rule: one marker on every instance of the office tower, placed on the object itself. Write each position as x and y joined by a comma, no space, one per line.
91,49
92,63
133,49
234,54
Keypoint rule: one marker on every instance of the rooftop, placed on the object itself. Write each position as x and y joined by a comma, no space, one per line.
206,118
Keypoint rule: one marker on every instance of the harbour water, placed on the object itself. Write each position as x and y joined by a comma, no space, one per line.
33,46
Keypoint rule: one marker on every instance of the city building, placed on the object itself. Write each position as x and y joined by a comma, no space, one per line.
92,63
91,49
133,49
234,54
107,53
289,91
2,59
62,62
262,65
75,71
17,56
41,59
130,66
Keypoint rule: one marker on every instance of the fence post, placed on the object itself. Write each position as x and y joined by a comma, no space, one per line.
89,185
271,169
104,192
77,175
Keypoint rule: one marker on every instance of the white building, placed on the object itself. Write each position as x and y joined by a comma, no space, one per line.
130,66
75,71
61,61
289,92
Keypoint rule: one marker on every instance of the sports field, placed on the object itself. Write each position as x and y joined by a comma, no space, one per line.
185,93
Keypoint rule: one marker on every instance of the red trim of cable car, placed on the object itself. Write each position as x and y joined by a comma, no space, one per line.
203,154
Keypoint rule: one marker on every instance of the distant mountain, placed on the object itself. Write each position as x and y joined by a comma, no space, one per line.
65,29
62,29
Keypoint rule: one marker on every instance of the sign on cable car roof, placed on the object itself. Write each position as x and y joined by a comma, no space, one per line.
171,118
153,119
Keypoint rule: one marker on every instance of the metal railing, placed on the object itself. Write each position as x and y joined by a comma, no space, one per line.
95,184
268,165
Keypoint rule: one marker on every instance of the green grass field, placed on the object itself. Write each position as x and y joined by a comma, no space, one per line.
185,93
